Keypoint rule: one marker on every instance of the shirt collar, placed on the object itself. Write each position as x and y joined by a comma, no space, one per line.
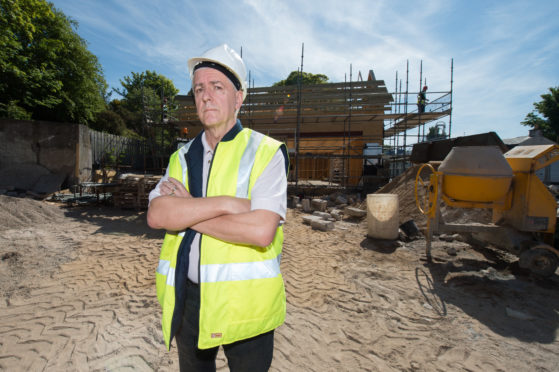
206,145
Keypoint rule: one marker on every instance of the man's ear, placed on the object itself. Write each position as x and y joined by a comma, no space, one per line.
239,99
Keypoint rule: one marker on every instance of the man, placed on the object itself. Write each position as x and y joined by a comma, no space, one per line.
222,201
422,100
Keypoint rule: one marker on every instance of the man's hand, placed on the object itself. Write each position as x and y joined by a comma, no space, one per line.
174,187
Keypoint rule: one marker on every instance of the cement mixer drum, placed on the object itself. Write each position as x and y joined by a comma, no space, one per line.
476,174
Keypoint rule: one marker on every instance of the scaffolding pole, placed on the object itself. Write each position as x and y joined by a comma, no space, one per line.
451,84
299,102
419,113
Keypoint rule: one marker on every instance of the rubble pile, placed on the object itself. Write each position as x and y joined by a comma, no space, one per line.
322,214
404,187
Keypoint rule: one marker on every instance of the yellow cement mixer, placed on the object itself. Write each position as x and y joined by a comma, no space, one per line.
524,212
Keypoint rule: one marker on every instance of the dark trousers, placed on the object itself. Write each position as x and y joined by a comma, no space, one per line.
253,354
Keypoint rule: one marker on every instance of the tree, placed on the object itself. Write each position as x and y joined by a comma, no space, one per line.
143,96
307,79
433,133
436,132
46,71
546,115
110,122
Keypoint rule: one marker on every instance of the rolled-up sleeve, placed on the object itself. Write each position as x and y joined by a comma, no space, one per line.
270,189
156,190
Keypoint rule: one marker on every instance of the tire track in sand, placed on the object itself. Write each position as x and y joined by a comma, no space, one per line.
354,304
96,312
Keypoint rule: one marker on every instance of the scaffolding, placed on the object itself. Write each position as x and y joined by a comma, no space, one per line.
405,116
329,127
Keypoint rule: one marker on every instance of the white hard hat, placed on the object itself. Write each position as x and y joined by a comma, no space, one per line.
225,57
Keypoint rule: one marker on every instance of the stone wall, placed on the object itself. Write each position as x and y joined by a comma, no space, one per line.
43,157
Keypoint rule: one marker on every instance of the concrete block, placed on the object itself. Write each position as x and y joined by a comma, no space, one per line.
322,215
355,212
307,206
322,225
319,205
336,214
307,220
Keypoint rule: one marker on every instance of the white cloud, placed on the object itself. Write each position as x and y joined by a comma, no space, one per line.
505,54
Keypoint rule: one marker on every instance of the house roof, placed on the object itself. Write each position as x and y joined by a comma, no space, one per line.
528,141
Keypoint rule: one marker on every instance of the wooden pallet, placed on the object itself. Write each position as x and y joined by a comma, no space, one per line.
133,191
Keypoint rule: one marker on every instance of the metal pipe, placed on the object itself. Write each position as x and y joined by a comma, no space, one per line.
451,83
299,101
418,112
349,119
406,111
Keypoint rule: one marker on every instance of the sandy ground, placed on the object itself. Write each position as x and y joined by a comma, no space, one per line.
78,294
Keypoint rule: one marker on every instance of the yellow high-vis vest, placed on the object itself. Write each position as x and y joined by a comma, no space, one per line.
242,292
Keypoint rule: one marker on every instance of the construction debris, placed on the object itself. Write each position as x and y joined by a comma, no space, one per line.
319,205
307,219
322,225
327,211
355,212
306,205
133,191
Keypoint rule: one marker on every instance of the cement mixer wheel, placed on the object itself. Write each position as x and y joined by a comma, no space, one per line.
423,202
540,261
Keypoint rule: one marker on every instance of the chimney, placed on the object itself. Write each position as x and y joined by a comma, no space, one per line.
535,132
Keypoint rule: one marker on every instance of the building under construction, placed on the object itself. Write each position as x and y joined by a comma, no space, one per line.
354,134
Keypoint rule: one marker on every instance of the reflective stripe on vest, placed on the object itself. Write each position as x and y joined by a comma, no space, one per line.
247,162
240,271
164,267
182,152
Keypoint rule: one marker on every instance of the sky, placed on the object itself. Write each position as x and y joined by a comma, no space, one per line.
505,53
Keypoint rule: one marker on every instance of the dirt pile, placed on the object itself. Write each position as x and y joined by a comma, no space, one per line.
33,241
404,187
23,212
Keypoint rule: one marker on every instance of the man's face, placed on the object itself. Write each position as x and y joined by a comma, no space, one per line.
216,98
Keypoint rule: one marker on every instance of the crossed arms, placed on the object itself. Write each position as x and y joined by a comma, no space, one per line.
223,217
